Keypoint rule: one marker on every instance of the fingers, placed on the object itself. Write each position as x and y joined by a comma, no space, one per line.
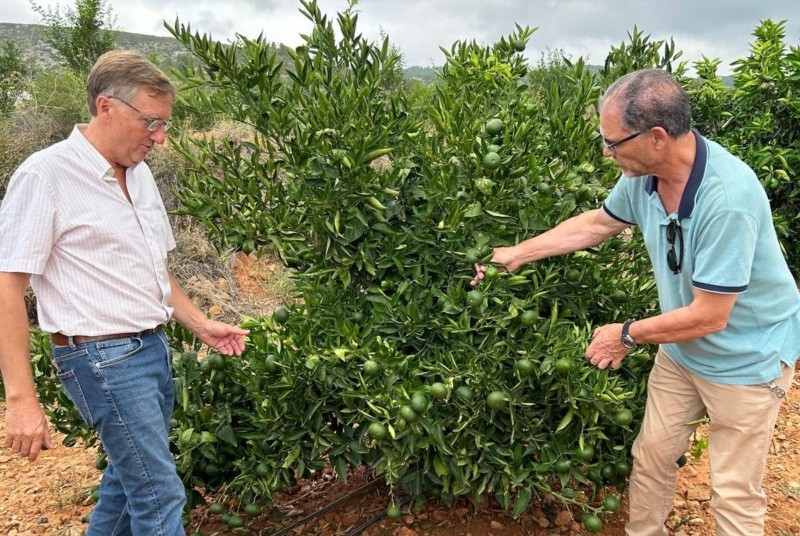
33,450
480,273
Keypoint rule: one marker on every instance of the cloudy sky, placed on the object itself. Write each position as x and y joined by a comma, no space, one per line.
714,28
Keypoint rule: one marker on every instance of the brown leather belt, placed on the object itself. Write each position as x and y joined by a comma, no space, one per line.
64,340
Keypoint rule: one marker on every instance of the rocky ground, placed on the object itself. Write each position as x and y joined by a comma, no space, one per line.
52,495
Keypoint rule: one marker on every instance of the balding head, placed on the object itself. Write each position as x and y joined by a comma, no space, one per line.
650,98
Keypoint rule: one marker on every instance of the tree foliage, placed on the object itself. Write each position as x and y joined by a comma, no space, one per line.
382,210
12,76
759,120
80,34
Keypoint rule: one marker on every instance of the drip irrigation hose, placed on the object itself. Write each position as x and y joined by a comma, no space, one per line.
358,529
302,521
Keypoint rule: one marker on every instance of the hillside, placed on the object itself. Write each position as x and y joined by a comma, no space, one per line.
168,51
29,38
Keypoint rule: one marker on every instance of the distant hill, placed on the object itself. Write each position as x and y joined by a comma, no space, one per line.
168,51
29,37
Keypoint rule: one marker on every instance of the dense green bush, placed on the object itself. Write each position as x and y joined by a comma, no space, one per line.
381,210
759,120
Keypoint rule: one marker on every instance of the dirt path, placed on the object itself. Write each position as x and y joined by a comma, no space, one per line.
52,495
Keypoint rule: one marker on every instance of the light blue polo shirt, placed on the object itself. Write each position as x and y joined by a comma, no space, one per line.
730,247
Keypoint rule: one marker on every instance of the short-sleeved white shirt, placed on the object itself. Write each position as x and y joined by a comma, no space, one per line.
97,261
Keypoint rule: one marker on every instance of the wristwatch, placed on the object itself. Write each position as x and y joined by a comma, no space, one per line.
626,339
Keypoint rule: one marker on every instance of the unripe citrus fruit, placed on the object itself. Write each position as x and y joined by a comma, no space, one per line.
408,414
525,367
528,318
475,297
494,126
623,417
376,431
393,512
491,160
497,400
439,391
280,315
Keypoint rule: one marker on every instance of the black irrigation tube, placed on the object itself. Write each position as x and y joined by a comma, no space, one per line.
302,521
358,529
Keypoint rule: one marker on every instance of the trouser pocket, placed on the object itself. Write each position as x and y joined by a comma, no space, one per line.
71,385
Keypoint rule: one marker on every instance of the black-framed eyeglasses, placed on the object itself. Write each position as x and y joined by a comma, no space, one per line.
612,145
674,234
152,124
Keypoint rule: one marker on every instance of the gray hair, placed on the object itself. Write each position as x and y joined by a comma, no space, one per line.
651,98
121,74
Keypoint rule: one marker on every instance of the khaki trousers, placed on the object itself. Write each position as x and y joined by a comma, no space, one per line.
741,421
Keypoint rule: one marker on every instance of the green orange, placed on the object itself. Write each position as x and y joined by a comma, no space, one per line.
439,391
497,400
494,126
474,297
491,160
377,431
280,315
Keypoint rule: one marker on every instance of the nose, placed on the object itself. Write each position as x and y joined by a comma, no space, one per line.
159,136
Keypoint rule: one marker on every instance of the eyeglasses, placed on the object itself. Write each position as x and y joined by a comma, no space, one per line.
612,145
152,124
674,232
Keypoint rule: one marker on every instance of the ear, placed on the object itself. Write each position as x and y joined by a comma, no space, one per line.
103,105
659,136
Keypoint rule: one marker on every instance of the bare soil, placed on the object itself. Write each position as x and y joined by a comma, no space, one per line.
52,495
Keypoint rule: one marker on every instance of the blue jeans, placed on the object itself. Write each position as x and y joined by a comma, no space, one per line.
123,388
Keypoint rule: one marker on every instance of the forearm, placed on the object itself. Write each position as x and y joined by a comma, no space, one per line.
698,319
186,312
14,353
575,234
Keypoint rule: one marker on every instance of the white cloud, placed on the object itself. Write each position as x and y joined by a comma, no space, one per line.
716,28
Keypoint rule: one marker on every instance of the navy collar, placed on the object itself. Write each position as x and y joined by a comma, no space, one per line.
692,185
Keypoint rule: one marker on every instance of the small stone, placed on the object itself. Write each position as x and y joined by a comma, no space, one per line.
350,519
439,515
496,525
542,522
42,520
563,518
460,513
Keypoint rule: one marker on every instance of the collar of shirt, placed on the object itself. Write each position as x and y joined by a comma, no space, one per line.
695,178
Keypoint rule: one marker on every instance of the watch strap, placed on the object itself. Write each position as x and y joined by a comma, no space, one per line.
627,340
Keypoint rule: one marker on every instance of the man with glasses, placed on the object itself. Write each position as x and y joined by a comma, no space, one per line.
83,223
729,328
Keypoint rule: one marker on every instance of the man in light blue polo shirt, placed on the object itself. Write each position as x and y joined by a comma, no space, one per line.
729,328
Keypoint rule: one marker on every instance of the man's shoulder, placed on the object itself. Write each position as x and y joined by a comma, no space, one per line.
50,154
720,159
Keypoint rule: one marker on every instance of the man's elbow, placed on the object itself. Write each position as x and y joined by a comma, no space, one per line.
716,325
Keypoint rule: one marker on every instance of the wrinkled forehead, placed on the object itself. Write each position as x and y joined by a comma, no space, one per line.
611,118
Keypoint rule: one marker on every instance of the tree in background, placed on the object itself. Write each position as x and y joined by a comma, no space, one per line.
79,35
12,75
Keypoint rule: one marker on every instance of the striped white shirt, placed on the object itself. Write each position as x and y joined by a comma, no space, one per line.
98,262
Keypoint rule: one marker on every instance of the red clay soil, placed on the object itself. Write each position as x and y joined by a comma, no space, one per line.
52,495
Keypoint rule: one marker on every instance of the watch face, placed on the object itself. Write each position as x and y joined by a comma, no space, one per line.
628,343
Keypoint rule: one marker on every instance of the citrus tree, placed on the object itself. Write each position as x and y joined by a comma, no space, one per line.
390,358
758,119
